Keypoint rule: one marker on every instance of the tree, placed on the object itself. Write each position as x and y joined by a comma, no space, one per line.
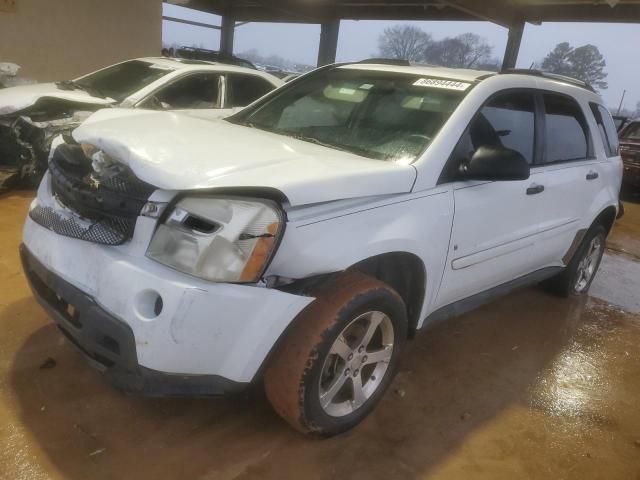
556,60
588,64
584,63
464,51
403,41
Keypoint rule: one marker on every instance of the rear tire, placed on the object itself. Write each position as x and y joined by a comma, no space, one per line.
340,356
578,275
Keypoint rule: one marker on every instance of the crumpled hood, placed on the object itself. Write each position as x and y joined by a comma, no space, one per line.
179,152
14,99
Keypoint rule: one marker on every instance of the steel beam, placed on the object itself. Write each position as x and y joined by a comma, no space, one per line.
328,48
190,22
513,46
227,32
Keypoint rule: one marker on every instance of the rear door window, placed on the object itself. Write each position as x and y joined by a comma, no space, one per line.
196,91
607,129
245,89
566,132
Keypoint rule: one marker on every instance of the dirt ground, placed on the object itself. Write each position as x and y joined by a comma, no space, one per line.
530,386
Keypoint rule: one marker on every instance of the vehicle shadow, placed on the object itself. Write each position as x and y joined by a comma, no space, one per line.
454,378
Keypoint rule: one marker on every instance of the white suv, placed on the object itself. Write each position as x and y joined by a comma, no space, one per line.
303,241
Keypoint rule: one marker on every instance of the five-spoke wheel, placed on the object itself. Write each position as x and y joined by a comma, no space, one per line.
356,364
340,356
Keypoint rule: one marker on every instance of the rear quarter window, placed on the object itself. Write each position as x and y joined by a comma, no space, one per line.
607,129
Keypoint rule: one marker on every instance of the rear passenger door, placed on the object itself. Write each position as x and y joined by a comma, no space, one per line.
572,178
496,225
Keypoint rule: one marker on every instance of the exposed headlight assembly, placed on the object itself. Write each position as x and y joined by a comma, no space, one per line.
221,239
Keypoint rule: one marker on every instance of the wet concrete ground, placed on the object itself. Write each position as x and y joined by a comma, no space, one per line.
531,386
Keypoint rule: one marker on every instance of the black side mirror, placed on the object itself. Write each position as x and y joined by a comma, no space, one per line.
496,163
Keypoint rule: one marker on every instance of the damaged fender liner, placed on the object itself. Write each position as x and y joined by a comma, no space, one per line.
108,343
109,203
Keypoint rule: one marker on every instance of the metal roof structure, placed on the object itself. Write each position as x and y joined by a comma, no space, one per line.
503,12
512,14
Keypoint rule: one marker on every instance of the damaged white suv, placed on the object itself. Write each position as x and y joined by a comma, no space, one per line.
303,241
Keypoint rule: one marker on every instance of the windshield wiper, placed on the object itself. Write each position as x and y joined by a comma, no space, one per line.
72,85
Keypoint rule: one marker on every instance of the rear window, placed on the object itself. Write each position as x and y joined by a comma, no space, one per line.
567,134
607,129
632,132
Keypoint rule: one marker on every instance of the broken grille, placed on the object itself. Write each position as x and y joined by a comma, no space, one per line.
110,231
107,205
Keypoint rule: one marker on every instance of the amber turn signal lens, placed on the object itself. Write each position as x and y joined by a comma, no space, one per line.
260,255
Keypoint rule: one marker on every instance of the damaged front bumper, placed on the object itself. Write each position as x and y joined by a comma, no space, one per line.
170,323
109,343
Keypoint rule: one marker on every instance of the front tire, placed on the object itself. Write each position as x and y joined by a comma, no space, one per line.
340,356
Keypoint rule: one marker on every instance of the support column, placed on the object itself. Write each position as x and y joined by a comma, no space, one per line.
329,31
227,32
513,46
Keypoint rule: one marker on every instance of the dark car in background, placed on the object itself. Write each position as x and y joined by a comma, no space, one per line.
630,153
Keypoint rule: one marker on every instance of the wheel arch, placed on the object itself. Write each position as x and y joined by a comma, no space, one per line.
606,218
404,272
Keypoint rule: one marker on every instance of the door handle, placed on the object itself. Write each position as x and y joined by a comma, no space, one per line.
535,189
592,175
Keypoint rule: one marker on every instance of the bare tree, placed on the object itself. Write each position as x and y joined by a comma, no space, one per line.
464,51
403,41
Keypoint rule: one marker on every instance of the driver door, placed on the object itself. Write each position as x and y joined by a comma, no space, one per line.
496,224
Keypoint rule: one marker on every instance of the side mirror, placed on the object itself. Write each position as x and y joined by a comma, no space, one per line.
496,163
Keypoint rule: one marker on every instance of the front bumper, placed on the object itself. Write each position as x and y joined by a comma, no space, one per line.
108,343
215,330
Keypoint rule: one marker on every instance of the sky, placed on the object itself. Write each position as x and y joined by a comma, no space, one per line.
359,39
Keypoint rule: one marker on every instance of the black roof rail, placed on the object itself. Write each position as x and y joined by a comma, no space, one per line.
550,76
387,61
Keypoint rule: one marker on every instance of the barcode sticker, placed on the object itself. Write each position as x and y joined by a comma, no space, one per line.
440,83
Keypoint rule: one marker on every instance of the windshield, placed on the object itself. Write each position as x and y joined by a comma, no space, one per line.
632,132
381,115
120,81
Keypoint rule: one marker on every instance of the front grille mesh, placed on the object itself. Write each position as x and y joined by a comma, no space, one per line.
108,231
105,207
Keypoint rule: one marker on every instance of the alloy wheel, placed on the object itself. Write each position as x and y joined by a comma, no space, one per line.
588,264
356,363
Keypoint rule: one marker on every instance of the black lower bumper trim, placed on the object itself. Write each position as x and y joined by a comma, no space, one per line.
108,343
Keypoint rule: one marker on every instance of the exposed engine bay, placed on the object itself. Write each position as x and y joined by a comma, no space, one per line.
26,136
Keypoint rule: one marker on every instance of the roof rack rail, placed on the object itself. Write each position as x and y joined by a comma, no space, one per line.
387,61
550,76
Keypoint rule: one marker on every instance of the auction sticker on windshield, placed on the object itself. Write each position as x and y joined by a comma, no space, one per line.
440,83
